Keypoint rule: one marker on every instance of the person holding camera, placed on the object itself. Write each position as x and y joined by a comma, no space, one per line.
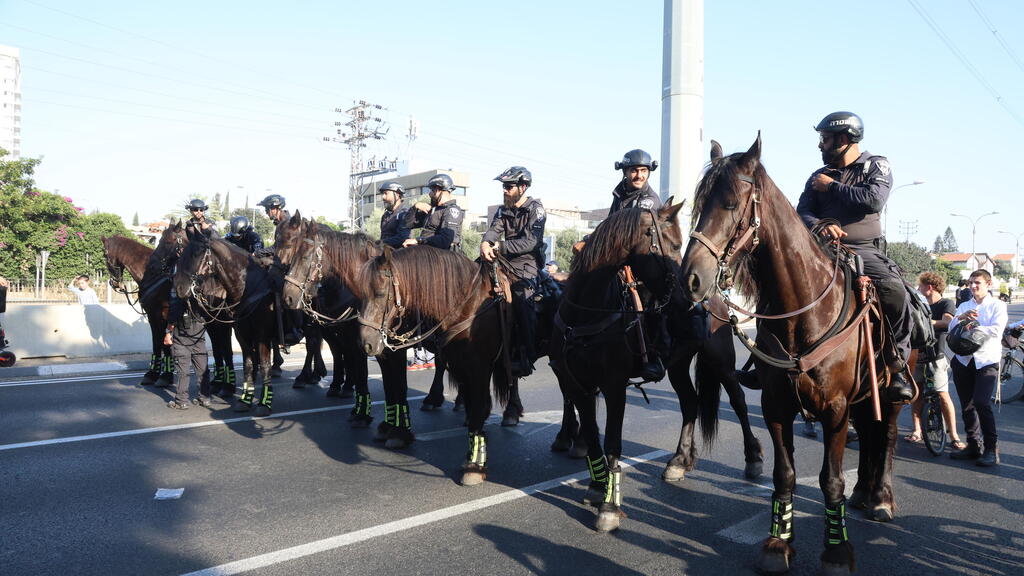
977,374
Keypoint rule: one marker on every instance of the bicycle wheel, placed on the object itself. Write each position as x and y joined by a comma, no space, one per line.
934,428
1011,379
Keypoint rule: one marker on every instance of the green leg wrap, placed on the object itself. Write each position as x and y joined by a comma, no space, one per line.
782,518
218,373
229,375
613,490
168,364
403,416
477,449
267,398
154,363
391,414
248,391
835,523
362,407
598,469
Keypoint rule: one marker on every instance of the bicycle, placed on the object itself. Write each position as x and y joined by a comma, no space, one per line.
1011,367
932,424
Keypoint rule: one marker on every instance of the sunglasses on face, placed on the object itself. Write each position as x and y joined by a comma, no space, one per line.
509,185
195,209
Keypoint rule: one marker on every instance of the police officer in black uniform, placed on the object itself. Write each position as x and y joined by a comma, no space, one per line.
441,220
274,205
634,190
186,336
243,235
392,223
852,188
517,233
197,210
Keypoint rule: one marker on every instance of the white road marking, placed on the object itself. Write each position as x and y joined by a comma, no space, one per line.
342,540
138,431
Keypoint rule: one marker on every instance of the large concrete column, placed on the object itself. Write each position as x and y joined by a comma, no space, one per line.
682,99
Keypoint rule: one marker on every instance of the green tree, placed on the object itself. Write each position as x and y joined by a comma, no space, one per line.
371,224
948,271
1003,269
135,219
949,241
938,247
226,212
216,210
471,242
912,258
564,241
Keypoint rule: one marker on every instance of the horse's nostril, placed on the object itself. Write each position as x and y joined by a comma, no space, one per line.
694,283
368,349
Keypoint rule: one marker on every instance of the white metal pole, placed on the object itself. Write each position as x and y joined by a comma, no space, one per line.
682,99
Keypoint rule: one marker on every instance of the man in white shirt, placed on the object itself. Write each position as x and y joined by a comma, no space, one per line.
86,295
977,375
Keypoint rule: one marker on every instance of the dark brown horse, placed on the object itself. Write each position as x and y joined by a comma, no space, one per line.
122,254
593,348
224,285
810,354
418,291
321,266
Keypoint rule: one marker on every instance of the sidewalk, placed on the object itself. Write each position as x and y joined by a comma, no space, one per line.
61,365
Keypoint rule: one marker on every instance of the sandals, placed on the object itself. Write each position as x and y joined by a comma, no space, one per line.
958,445
914,438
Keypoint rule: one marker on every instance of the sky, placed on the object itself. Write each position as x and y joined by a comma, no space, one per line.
135,107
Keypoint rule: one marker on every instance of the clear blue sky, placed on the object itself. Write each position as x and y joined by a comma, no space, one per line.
137,106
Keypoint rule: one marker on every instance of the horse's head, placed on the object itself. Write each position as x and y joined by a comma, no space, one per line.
299,249
115,265
649,241
727,213
171,244
381,299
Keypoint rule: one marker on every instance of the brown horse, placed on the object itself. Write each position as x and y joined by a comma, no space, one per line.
418,291
122,254
810,353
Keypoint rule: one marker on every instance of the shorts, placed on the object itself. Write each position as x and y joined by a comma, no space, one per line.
940,378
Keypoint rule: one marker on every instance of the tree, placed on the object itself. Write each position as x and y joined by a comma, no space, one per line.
949,241
564,241
135,219
1003,269
226,212
913,259
216,210
948,271
938,247
263,226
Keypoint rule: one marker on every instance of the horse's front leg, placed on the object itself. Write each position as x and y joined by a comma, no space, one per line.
244,402
753,454
686,451
838,555
473,379
878,454
266,394
609,513
156,358
776,551
396,429
357,375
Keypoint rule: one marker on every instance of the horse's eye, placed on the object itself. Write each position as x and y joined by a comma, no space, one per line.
731,204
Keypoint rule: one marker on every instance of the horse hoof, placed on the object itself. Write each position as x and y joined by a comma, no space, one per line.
753,470
858,500
428,407
243,407
227,393
333,393
510,419
275,372
882,513
829,569
561,444
149,378
360,420
673,473
773,563
608,521
579,451
473,478
164,381
262,410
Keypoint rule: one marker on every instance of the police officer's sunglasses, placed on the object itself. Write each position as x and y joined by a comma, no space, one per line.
509,185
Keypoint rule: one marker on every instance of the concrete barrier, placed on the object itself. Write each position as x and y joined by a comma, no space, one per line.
74,330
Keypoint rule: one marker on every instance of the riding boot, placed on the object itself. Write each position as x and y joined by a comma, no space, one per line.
899,390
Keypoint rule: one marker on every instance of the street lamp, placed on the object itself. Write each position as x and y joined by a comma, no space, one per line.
885,224
974,228
1016,248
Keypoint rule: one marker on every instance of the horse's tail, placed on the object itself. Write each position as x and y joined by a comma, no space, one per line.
503,379
708,397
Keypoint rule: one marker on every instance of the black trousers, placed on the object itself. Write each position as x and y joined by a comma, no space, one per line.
525,311
189,349
975,386
885,275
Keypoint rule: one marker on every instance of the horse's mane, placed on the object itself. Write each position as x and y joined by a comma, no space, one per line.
609,243
342,245
124,249
431,281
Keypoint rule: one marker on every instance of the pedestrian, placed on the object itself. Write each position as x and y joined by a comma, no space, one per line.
843,200
392,223
441,219
932,366
186,335
81,289
963,292
977,375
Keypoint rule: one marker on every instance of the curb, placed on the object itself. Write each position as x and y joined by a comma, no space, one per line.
79,368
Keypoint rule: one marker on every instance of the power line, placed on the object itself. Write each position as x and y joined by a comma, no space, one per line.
963,59
992,29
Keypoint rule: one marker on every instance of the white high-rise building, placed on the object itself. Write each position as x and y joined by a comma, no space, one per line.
10,101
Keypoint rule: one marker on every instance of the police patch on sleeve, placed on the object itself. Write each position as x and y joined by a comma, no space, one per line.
453,212
883,167
540,213
646,204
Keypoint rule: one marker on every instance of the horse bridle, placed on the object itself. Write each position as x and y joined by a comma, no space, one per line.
315,273
743,234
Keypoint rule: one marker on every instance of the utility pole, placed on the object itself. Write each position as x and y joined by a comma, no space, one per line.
908,228
362,125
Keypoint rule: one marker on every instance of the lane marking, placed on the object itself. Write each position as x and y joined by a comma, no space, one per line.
342,540
190,425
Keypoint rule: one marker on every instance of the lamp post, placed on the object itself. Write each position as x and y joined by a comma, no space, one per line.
885,224
1016,248
974,228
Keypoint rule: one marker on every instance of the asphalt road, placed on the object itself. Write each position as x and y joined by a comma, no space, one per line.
303,493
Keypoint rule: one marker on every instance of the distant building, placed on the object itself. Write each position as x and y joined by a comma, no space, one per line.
968,263
415,186
1008,259
10,101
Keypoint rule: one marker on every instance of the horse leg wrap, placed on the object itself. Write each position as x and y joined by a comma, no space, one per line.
229,375
267,397
248,391
477,455
613,491
782,518
835,523
391,414
218,375
402,417
154,363
598,470
362,407
169,364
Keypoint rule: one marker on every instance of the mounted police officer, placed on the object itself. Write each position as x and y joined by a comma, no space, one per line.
274,207
291,320
852,189
392,223
634,190
197,210
517,234
441,220
243,235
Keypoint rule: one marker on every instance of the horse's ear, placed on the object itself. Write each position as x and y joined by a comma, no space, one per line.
716,151
296,219
671,211
386,254
754,153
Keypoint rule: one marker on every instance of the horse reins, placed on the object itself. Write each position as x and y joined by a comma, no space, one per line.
314,273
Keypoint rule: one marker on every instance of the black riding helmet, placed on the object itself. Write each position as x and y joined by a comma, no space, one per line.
272,201
442,181
842,123
515,175
197,204
392,187
238,224
635,158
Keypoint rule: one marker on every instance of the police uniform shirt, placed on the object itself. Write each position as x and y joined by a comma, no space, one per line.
194,222
625,196
392,227
442,226
248,240
521,232
855,198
